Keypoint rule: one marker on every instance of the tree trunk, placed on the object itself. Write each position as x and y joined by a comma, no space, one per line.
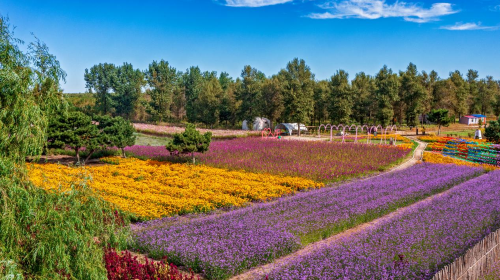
88,156
77,152
439,130
123,153
194,159
299,129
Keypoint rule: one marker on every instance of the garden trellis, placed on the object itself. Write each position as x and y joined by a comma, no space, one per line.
472,151
358,129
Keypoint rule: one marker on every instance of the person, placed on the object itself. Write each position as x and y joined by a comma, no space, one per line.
478,134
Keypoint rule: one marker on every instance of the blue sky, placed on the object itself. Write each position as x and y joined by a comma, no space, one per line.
225,35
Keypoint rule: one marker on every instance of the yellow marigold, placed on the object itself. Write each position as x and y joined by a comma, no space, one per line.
439,158
153,189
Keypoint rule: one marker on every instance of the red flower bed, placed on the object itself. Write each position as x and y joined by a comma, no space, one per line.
125,266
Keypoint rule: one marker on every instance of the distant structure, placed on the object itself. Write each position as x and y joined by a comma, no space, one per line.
472,119
261,124
288,128
245,125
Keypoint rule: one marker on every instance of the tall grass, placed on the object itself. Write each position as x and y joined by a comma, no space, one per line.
50,235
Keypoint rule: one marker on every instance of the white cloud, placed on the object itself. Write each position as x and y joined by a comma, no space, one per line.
254,3
496,8
375,9
467,26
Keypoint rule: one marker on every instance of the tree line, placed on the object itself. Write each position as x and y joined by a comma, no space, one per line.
163,93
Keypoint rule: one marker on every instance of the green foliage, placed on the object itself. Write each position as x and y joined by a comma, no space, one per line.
75,130
364,102
207,103
386,94
43,235
321,95
162,80
127,85
190,141
299,91
272,98
100,79
340,100
412,93
117,132
192,82
440,117
250,93
492,131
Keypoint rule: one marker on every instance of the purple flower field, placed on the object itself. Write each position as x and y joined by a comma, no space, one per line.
316,160
227,244
414,244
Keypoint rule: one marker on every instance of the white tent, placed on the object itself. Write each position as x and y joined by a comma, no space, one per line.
288,128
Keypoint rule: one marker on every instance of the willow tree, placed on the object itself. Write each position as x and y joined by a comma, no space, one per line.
44,235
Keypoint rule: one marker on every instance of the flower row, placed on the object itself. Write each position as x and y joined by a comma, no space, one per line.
226,244
316,160
439,158
152,189
414,244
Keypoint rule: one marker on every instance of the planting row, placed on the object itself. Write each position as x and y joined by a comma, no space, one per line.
152,189
227,244
414,244
316,160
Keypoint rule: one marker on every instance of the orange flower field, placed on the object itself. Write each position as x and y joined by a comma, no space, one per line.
152,189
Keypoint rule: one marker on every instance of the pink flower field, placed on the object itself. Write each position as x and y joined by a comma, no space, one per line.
317,160
164,130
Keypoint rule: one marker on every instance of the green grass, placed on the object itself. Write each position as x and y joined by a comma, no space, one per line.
151,140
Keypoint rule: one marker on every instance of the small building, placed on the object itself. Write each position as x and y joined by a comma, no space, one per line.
472,119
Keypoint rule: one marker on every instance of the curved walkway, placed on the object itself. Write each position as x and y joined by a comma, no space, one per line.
260,272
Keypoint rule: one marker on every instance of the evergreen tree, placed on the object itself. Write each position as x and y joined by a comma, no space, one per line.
127,86
117,132
461,93
193,84
250,93
75,130
412,93
473,86
440,117
162,80
321,95
492,131
340,99
299,91
190,141
272,99
364,102
207,103
386,93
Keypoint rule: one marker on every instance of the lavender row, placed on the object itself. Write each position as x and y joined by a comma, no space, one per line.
226,244
412,245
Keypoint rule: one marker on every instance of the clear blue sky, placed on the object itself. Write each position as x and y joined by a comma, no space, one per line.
225,35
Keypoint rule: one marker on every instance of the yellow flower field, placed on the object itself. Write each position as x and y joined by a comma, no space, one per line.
152,189
439,158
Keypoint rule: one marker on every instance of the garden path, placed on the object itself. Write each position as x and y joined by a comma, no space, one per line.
261,271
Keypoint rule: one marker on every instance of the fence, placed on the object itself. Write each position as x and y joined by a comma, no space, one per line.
475,263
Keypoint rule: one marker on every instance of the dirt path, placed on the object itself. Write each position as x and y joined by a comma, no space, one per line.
261,271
